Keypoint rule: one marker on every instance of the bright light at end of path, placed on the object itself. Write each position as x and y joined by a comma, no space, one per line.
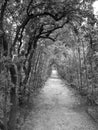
54,71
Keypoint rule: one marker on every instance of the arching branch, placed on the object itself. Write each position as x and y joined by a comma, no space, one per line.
44,37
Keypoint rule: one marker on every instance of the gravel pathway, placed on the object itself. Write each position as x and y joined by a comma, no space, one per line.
58,108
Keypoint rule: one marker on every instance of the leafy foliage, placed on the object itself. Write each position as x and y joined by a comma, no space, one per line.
34,35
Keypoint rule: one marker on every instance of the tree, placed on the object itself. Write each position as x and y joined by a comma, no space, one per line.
23,26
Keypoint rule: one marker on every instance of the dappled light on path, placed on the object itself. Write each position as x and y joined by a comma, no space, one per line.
57,107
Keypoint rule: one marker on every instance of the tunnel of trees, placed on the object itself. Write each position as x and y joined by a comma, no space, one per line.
34,35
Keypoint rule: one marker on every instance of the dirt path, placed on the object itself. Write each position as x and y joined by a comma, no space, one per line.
58,108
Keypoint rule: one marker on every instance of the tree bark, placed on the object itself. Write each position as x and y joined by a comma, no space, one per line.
13,100
80,71
85,64
13,110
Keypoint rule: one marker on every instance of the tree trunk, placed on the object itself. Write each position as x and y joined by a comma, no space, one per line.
85,64
13,100
80,71
77,71
92,73
5,108
13,110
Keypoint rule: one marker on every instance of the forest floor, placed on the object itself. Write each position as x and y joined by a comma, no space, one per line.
58,107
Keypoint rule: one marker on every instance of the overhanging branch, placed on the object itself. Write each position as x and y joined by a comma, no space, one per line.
32,16
47,38
47,33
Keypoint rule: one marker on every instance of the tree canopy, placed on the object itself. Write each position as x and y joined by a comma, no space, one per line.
34,35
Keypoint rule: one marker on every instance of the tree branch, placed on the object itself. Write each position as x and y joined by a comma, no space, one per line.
47,33
29,6
56,17
32,16
47,38
3,7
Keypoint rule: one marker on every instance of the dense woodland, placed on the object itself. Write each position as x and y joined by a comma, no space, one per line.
36,34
